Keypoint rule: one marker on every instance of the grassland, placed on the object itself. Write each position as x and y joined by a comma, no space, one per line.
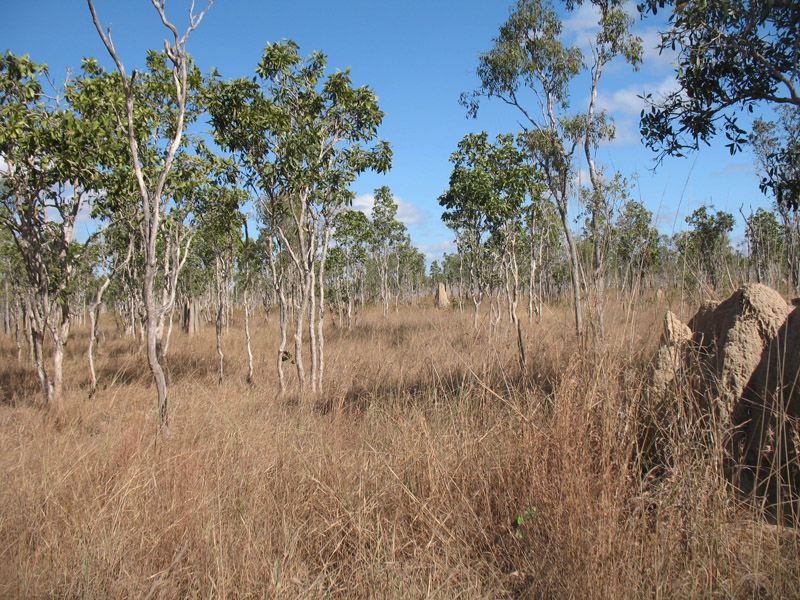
430,468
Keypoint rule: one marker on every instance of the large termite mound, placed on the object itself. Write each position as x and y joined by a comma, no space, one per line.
766,443
740,360
729,338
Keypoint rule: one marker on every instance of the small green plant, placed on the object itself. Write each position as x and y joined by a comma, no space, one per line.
524,516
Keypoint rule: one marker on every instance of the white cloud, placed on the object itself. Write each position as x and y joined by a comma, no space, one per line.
438,247
652,57
407,212
364,203
580,27
434,251
626,101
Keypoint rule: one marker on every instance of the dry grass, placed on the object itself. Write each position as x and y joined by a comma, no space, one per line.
404,481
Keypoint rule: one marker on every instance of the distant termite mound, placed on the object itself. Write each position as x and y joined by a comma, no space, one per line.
740,360
441,300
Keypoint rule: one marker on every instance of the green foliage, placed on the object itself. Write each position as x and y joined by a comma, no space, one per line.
526,54
765,238
706,243
637,244
297,132
52,158
522,518
485,205
387,231
488,187
777,148
731,56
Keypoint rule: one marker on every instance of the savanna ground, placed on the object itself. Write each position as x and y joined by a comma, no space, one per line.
429,469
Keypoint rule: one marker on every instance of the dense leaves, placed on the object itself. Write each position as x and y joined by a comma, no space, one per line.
732,56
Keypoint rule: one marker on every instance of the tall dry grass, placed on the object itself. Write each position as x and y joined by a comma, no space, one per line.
429,469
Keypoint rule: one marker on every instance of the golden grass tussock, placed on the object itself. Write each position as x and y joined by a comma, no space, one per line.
428,469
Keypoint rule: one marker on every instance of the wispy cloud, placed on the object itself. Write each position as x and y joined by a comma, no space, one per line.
738,168
654,59
580,26
434,251
625,105
626,101
407,212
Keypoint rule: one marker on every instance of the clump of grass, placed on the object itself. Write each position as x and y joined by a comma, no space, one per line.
407,478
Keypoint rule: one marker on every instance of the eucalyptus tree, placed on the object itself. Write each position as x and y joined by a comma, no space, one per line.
636,244
776,145
301,139
8,254
248,266
220,221
387,235
489,187
12,271
541,222
51,157
410,269
732,57
352,234
766,244
173,81
465,203
110,258
613,39
528,55
706,243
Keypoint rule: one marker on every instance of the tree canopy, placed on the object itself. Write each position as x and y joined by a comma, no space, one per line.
732,56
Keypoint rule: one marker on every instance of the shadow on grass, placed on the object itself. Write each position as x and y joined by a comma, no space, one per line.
18,382
459,384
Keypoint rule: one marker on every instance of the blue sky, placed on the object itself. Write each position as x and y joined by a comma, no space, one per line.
418,57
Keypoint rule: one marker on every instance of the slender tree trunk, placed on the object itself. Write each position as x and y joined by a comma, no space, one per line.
321,316
514,300
93,316
572,250
245,298
279,284
27,324
298,332
37,340
282,343
60,335
218,321
151,336
6,313
349,313
312,323
168,337
17,316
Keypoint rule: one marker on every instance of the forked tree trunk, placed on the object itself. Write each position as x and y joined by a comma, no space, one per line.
151,337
